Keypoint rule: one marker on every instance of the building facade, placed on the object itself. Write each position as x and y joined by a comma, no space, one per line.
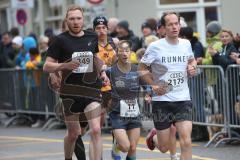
50,13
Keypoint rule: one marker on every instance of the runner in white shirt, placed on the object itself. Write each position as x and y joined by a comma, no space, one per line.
166,66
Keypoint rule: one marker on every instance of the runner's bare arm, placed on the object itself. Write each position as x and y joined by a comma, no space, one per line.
101,70
146,76
191,68
51,65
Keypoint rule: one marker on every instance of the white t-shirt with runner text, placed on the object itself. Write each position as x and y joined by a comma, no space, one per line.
169,64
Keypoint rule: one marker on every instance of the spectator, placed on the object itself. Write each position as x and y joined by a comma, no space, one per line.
147,30
183,23
160,30
34,60
17,44
112,25
124,33
235,57
152,22
49,33
148,40
14,32
212,91
6,51
213,28
29,42
197,47
237,42
23,56
33,35
222,57
43,46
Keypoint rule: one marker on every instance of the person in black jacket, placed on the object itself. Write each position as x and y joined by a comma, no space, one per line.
124,33
7,54
223,58
197,47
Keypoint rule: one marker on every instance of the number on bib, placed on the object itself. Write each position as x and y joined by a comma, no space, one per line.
129,108
86,62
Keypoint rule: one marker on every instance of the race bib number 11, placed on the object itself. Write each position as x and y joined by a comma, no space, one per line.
86,62
129,108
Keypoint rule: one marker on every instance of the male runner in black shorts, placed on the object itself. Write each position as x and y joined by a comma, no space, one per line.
74,54
166,66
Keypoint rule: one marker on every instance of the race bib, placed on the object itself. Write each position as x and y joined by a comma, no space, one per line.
86,62
175,79
129,108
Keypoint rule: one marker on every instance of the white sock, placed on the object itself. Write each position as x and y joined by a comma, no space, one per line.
173,155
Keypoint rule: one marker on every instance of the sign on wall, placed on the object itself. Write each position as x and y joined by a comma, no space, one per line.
21,17
95,1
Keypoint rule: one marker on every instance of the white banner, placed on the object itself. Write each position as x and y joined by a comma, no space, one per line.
22,3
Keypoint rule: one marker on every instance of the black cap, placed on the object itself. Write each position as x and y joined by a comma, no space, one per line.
100,20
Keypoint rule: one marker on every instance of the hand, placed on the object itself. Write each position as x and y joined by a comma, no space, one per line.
199,60
212,51
238,61
55,81
160,89
74,64
104,77
148,98
115,41
191,70
237,37
234,56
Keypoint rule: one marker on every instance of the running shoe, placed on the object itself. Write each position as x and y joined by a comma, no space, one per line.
115,151
149,139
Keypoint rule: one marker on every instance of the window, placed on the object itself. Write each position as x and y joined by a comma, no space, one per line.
190,19
211,14
3,20
177,1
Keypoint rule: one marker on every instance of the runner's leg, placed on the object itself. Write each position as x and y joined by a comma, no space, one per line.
73,131
184,129
133,135
121,137
93,113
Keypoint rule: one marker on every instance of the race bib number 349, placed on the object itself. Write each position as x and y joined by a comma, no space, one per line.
86,62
